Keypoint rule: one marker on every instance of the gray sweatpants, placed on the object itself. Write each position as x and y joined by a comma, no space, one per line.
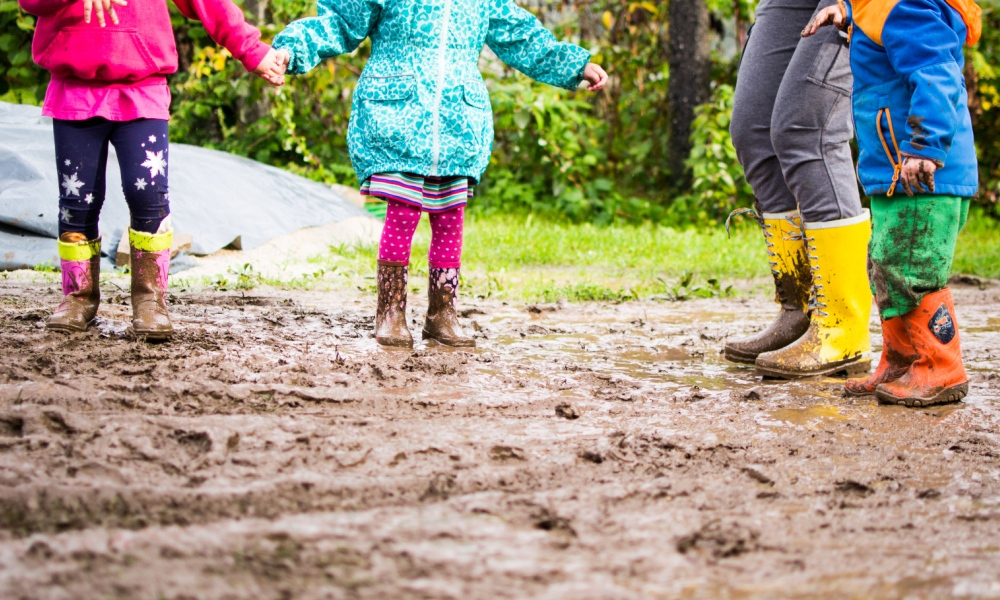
792,122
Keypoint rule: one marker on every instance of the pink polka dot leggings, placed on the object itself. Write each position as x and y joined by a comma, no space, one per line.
446,236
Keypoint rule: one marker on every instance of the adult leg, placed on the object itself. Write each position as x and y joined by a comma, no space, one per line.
445,260
770,48
143,147
811,133
813,128
394,249
81,160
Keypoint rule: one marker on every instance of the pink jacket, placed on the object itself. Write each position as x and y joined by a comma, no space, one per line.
119,72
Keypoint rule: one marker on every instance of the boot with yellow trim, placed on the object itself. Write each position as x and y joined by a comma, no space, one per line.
80,260
786,252
837,340
150,254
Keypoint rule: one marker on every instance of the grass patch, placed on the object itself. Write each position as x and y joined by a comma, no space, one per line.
978,250
521,258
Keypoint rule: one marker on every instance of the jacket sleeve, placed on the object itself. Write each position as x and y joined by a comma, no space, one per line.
42,8
339,28
521,41
925,50
226,24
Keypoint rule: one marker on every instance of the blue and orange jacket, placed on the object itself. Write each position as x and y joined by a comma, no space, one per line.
909,91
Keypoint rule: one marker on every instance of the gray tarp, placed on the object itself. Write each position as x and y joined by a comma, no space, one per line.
214,196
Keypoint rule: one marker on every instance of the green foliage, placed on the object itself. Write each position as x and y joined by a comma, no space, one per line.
983,78
20,80
718,183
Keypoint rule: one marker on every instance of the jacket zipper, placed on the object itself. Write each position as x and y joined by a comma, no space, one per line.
439,93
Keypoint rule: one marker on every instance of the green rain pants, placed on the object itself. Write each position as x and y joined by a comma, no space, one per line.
912,248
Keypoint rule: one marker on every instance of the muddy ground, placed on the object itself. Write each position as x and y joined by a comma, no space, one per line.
582,451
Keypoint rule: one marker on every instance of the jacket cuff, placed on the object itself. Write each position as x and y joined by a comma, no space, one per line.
583,55
252,59
934,154
289,44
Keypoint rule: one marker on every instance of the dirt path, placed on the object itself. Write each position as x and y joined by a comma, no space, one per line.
584,451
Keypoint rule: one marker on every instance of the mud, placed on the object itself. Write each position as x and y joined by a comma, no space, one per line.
271,450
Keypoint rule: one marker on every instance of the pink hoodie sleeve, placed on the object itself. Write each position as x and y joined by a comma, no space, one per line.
227,26
41,8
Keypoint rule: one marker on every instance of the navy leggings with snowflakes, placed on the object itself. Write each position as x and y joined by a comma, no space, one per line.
82,159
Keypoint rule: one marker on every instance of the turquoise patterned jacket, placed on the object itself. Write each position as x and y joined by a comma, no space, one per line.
420,105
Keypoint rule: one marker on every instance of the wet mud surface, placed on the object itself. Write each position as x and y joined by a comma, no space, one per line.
582,451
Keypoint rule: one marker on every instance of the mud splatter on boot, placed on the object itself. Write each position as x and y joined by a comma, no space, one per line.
897,356
789,261
390,315
150,255
80,260
442,318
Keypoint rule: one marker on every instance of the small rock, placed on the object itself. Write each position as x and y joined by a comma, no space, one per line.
567,411
749,395
757,476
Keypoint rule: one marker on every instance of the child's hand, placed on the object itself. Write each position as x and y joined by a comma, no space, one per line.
272,68
102,7
917,175
595,76
831,15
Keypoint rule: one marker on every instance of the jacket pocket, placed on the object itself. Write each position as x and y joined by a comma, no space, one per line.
478,114
388,111
98,54
832,68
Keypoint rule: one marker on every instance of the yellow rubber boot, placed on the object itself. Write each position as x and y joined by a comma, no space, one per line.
837,340
787,255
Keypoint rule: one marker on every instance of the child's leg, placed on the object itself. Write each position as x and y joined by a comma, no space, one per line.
393,274
81,160
142,147
445,259
446,239
912,248
397,234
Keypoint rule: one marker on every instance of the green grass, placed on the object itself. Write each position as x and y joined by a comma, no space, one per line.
978,250
520,258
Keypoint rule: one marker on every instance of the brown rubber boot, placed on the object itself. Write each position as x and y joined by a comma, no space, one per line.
442,319
150,255
390,316
897,356
80,260
787,255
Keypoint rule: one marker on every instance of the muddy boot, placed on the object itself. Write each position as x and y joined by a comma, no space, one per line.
897,355
937,376
390,316
786,251
150,267
80,260
837,340
442,320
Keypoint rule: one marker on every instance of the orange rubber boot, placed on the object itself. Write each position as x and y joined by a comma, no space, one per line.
937,376
897,356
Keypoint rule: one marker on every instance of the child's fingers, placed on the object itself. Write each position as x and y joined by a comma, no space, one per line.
111,13
100,13
88,9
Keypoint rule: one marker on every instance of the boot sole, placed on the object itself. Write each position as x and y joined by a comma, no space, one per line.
736,356
453,343
851,368
154,336
948,396
391,343
67,328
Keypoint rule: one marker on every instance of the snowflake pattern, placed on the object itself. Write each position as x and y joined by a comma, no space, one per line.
399,97
152,139
72,185
140,184
65,215
155,163
67,162
89,198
